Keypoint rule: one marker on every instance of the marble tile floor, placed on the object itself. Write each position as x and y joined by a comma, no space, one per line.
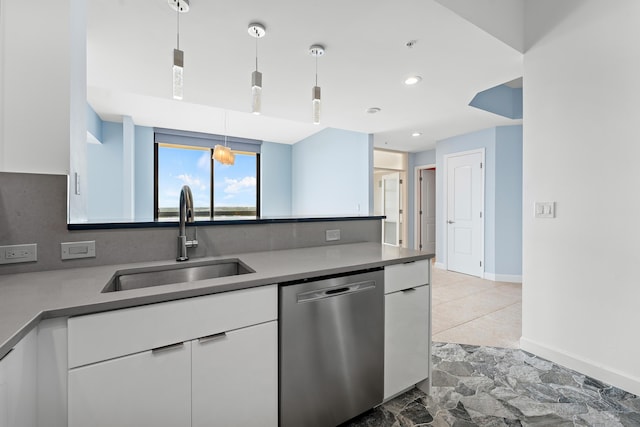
492,387
470,310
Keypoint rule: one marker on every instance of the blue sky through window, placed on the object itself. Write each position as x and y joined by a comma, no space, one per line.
235,186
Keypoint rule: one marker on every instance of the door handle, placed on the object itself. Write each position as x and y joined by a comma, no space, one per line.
451,222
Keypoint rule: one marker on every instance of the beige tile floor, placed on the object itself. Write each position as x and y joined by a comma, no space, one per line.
470,310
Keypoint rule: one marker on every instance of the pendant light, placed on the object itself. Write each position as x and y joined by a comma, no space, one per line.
257,31
222,153
180,6
316,51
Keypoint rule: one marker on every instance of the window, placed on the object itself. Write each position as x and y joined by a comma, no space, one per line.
229,191
235,187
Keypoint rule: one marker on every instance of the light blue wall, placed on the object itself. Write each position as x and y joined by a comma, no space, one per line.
104,161
503,195
471,141
331,173
517,103
94,123
144,173
275,179
508,240
105,174
502,100
421,158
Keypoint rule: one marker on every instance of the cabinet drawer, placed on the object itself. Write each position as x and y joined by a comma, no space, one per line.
103,336
404,276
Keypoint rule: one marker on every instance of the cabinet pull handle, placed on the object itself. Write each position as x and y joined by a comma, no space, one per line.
213,337
409,290
168,347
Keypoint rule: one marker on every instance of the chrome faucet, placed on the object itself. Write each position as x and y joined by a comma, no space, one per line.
186,215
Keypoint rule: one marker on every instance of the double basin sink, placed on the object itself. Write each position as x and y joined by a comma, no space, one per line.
137,278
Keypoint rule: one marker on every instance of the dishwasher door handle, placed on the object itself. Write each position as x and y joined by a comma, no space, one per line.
351,288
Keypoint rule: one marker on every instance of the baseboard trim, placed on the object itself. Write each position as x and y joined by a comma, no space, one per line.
584,366
440,265
513,278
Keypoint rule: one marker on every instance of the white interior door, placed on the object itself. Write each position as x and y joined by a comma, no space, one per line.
391,209
428,210
464,213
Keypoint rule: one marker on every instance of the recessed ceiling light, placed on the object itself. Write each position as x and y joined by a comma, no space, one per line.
416,134
373,110
412,80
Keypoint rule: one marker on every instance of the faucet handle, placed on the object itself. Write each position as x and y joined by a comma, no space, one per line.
193,243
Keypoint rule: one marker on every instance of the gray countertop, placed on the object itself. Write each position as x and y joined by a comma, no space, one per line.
27,298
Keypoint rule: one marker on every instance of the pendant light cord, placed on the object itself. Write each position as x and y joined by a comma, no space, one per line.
256,31
178,26
225,128
316,70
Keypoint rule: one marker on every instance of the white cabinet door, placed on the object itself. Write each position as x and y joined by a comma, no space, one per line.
18,386
152,388
235,378
406,354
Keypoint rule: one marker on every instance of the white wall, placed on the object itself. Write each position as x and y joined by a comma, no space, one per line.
500,18
44,90
581,291
331,174
2,100
37,86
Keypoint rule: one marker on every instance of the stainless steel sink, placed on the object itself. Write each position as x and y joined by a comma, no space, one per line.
125,280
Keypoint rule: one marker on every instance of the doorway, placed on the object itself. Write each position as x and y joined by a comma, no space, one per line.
390,195
391,202
425,235
464,209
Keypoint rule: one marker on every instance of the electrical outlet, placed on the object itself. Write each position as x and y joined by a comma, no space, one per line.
73,250
545,210
332,235
18,253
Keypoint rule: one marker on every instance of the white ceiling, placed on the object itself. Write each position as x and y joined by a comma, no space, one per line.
129,56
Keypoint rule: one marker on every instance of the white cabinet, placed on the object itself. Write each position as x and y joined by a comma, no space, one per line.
150,388
214,363
406,358
235,378
18,385
407,326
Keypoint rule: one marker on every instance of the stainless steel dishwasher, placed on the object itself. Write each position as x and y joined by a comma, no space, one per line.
331,348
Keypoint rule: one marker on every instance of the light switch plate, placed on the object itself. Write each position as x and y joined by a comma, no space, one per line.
332,235
74,250
545,209
18,253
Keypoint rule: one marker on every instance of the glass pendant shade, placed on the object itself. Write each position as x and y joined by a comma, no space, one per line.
223,155
315,93
178,69
256,92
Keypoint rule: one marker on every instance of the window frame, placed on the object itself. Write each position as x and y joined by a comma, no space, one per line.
212,216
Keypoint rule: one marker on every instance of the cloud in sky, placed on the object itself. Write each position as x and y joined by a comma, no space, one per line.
191,181
234,186
204,161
